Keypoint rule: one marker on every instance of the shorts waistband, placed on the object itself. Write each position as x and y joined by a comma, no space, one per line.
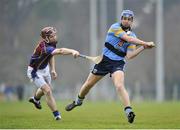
107,58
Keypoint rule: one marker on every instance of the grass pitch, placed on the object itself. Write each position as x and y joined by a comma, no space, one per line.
100,115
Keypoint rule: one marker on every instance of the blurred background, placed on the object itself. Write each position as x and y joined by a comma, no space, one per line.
82,25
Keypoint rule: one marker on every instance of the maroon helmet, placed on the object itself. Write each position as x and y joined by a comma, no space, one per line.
47,31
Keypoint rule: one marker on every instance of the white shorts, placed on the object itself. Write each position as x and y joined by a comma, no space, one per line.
43,76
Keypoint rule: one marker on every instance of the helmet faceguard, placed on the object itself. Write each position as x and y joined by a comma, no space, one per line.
127,13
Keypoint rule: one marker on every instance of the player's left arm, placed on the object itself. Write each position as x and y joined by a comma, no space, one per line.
133,52
65,51
52,68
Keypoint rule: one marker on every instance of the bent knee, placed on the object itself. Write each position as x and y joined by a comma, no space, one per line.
46,90
119,87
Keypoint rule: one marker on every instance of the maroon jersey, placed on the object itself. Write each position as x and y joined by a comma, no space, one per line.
42,55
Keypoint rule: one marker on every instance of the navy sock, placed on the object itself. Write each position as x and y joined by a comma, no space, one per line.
127,110
56,113
37,99
81,97
79,100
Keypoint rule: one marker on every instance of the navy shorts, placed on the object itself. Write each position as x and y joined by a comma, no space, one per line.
108,66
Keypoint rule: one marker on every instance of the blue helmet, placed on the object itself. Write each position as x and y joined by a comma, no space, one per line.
127,13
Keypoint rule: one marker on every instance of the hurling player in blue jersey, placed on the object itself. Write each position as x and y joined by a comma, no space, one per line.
42,67
120,44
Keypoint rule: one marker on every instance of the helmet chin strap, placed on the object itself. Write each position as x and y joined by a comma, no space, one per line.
47,40
126,28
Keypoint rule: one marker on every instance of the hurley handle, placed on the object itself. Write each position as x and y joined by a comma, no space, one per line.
83,56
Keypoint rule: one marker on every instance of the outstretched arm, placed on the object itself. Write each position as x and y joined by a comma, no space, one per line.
65,51
137,41
135,52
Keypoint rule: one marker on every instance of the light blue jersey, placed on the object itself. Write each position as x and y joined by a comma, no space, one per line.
113,37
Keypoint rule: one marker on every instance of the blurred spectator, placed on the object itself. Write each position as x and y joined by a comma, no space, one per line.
2,88
20,92
10,92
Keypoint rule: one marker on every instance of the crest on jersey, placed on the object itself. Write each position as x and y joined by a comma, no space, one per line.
94,71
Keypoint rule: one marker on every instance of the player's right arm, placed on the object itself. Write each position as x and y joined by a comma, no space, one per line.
119,32
65,51
136,41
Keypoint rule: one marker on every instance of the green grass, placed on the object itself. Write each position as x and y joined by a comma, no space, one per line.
100,115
